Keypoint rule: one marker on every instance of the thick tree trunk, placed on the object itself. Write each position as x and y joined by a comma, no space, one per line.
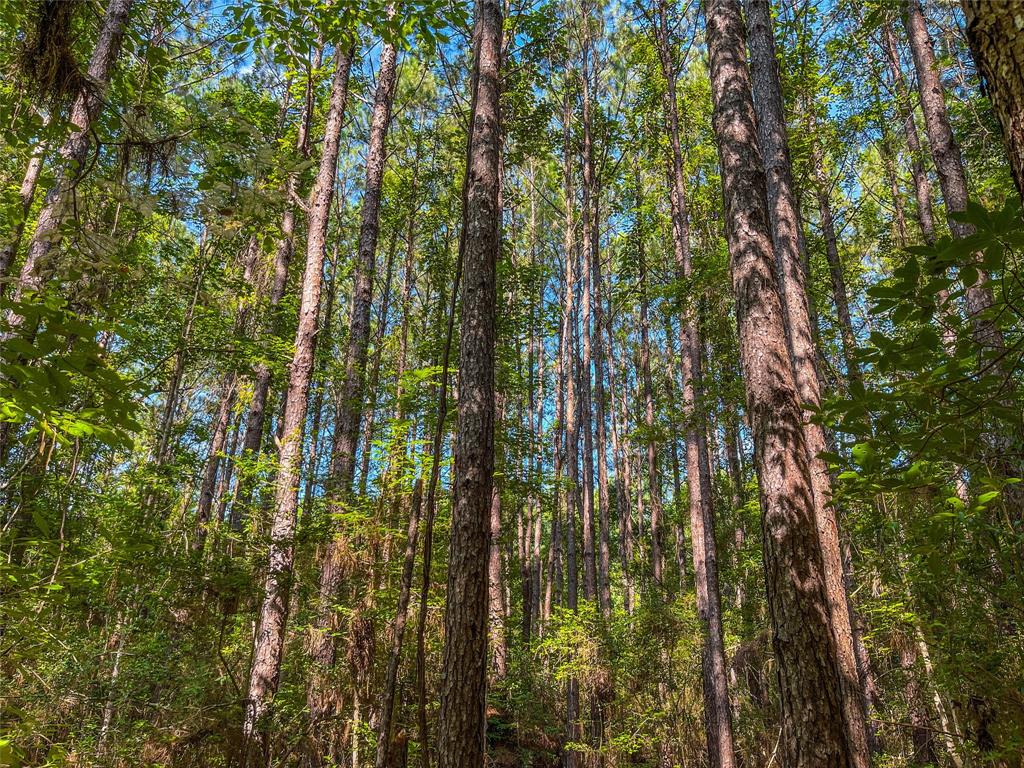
784,216
461,738
809,679
71,160
717,712
321,641
995,30
269,640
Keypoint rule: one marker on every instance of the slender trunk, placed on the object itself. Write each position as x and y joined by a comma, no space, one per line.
369,406
72,159
717,712
623,478
948,164
269,640
785,226
835,266
922,734
398,628
918,173
256,418
809,680
218,440
321,642
110,705
496,592
589,255
653,469
996,35
571,412
462,728
598,564
313,466
27,195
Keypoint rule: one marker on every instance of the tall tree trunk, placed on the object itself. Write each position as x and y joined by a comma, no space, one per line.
717,712
283,252
496,608
918,173
995,30
809,679
948,164
623,477
653,468
222,420
321,641
369,404
398,628
847,336
571,413
595,335
71,159
784,217
462,728
428,528
269,640
218,440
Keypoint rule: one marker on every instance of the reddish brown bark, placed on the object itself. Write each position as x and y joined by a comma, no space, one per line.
784,215
809,680
462,725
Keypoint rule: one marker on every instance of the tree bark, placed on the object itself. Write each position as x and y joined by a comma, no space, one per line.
321,645
784,216
653,468
717,712
995,30
948,164
810,683
398,628
918,173
283,252
71,159
461,739
269,640
26,195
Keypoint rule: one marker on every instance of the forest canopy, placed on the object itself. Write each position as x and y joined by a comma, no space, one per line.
548,383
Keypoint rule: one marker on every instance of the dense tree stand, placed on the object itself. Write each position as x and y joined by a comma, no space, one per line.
573,384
